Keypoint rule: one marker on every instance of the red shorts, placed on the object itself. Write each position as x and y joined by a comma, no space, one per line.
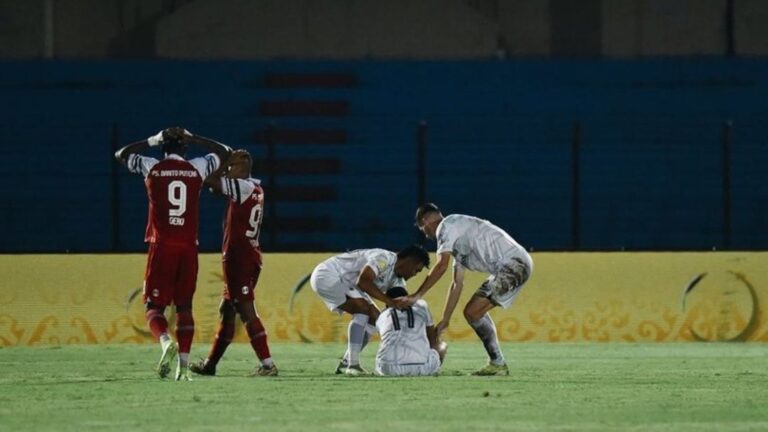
241,273
171,275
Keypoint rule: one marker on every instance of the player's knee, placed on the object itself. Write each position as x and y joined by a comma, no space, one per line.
246,311
226,310
471,314
150,306
373,315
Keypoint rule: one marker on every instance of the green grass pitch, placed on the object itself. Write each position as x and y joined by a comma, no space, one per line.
570,387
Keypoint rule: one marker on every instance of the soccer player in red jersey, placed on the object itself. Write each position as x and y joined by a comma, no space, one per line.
173,187
241,259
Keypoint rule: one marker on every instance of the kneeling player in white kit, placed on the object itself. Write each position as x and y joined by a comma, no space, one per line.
347,282
409,340
476,245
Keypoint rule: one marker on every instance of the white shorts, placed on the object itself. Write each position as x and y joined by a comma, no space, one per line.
325,281
502,288
431,367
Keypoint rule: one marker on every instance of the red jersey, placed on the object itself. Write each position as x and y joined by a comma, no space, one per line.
242,222
173,187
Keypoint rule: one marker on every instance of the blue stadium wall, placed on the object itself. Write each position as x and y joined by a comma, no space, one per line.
563,154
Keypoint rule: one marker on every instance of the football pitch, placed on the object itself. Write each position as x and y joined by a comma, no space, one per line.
573,387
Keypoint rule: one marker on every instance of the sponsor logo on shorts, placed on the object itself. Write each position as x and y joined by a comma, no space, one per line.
155,293
245,290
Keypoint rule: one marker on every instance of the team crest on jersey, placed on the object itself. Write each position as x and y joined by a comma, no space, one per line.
382,264
245,290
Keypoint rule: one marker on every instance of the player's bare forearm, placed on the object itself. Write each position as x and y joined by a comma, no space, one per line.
433,337
434,275
454,293
222,150
135,147
365,283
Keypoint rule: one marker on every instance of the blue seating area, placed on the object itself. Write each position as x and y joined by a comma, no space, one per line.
499,145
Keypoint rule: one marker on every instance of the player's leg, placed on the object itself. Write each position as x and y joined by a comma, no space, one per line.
224,335
476,314
186,283
157,296
358,331
245,277
326,283
498,290
257,335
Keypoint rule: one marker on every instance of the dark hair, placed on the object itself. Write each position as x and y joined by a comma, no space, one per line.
396,292
415,251
425,209
174,146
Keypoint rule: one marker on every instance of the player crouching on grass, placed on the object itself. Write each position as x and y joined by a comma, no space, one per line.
346,283
241,262
410,345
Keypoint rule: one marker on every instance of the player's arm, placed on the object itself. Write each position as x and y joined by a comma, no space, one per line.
124,153
366,284
221,150
457,285
437,271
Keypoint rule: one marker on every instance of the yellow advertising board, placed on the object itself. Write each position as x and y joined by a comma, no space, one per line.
571,297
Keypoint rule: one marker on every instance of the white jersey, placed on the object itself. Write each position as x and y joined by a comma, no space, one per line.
404,335
477,244
349,265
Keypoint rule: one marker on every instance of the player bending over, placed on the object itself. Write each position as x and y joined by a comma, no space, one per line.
173,186
347,282
241,262
477,245
410,344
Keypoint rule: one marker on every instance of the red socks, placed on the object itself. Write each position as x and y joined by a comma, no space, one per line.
223,338
258,337
185,330
156,322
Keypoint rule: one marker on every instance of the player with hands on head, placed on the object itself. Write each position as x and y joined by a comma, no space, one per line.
173,187
348,282
241,263
476,245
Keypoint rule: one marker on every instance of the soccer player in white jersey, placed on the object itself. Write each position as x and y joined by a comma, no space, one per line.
409,340
475,245
347,282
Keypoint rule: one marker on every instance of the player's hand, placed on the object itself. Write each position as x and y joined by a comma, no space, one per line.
441,326
175,134
405,302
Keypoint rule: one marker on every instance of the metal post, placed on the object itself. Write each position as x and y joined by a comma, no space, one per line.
115,189
421,171
576,187
726,148
730,39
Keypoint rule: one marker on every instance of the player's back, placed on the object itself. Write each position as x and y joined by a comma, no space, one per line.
173,187
404,335
349,264
476,243
244,214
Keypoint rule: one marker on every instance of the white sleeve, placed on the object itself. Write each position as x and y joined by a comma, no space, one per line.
446,237
377,261
423,311
238,190
139,164
206,165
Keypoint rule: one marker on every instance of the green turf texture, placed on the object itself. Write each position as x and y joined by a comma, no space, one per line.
569,387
